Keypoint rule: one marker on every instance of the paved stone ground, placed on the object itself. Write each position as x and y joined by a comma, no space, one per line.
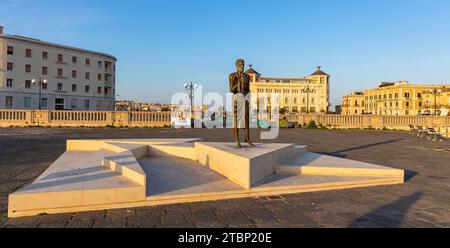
424,201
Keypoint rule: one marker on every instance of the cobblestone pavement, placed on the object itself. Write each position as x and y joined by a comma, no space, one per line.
424,201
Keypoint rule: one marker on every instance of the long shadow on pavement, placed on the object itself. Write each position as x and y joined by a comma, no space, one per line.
396,210
340,155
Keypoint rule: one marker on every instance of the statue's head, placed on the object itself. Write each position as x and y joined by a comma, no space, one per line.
240,65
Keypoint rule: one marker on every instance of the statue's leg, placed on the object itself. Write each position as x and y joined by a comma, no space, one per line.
236,125
247,124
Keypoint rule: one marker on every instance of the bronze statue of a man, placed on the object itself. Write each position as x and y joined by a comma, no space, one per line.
240,87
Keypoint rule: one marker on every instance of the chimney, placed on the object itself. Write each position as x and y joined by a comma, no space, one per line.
1,29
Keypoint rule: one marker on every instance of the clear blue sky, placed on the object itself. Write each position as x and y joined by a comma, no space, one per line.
163,44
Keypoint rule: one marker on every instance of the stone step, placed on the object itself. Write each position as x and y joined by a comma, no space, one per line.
74,181
296,151
317,164
186,150
126,165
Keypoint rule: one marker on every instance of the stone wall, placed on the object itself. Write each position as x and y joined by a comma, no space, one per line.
441,123
49,118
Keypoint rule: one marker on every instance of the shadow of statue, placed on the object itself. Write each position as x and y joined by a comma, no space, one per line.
340,154
388,216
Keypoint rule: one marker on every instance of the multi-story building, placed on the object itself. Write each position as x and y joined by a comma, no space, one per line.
353,104
436,102
77,79
295,95
400,98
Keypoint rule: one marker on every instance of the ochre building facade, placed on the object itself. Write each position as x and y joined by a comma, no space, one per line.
309,94
400,98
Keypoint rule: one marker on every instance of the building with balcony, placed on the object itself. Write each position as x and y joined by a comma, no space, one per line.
78,79
353,104
309,94
436,102
397,98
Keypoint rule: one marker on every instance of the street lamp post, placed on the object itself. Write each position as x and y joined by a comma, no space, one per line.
307,89
435,92
190,88
40,83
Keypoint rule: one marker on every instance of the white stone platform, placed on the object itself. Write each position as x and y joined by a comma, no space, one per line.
107,174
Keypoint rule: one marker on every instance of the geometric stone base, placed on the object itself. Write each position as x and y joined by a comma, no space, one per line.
110,174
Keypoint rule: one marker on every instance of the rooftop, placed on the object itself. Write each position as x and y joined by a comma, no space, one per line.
37,41
251,71
319,72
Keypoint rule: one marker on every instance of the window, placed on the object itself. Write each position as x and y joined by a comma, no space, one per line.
406,94
74,87
99,90
27,102
28,68
99,105
106,91
44,70
59,87
88,62
27,84
10,50
9,82
419,95
60,57
44,103
87,88
74,60
86,104
9,66
73,104
74,74
99,76
407,104
28,53
99,64
60,72
9,101
87,75
59,104
44,55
